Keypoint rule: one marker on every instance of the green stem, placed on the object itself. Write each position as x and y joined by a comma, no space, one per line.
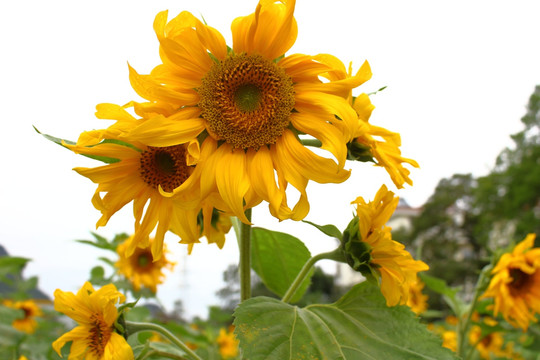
335,255
311,142
133,327
463,326
244,265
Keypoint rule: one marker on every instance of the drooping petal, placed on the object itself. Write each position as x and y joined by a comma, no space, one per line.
150,89
231,179
161,131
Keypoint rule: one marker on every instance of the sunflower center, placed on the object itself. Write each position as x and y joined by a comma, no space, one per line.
165,166
98,335
247,101
144,259
520,281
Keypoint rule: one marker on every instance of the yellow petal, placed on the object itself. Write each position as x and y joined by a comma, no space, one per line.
262,177
332,139
270,31
150,89
161,131
231,179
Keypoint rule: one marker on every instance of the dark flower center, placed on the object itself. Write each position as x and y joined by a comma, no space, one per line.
165,166
247,101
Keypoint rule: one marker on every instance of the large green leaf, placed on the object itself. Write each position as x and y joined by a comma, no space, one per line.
358,326
278,258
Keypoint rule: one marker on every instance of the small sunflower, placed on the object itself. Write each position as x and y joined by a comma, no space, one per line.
417,300
386,153
146,176
449,340
487,345
31,310
249,105
515,285
228,345
95,312
140,268
369,142
368,247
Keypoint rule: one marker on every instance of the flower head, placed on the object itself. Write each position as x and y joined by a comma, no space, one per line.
228,345
249,105
27,323
368,247
382,144
145,175
95,312
140,268
515,285
487,344
417,300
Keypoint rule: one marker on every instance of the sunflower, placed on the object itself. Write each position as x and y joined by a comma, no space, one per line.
386,152
515,285
368,247
449,340
95,312
228,345
147,176
31,310
140,268
417,300
249,105
365,143
487,344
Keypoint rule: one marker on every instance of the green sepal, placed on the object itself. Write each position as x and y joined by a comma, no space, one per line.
359,152
330,230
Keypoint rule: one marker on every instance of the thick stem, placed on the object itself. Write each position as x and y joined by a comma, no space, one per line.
133,327
244,265
336,254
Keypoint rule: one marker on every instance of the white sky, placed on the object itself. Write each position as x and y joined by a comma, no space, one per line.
459,74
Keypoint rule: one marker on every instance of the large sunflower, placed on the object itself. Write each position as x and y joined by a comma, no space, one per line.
249,105
515,285
368,247
147,176
95,313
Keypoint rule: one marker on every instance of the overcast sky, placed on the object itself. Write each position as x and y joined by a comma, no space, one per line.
459,74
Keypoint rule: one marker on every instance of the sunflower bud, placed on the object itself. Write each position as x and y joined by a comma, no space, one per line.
357,253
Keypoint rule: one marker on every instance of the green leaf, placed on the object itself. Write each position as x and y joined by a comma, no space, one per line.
12,265
278,258
448,293
358,326
329,230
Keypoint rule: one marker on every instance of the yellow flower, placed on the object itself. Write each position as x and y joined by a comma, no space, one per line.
140,268
365,143
147,176
488,344
368,242
95,312
386,153
417,300
450,340
228,345
251,105
28,323
515,285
